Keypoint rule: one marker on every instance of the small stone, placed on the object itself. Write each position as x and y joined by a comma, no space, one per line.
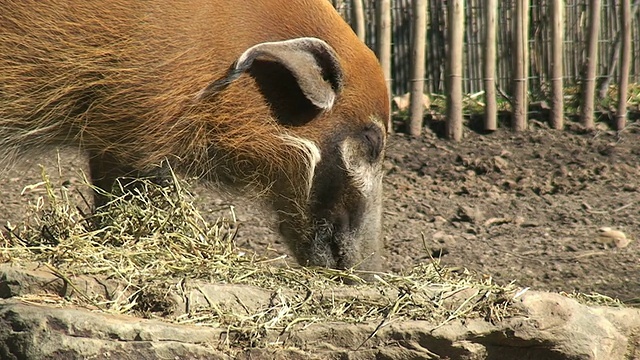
442,237
505,153
442,243
439,220
528,224
469,214
496,221
510,184
500,163
609,237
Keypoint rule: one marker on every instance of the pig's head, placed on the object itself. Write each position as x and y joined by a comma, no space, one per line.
330,112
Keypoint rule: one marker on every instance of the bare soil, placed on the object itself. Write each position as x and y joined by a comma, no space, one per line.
523,207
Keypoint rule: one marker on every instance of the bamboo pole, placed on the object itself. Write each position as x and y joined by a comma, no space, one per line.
504,69
474,53
417,67
358,24
454,69
623,83
521,56
557,51
468,71
489,70
603,84
589,81
383,42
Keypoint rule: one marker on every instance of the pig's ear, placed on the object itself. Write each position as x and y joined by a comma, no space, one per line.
312,62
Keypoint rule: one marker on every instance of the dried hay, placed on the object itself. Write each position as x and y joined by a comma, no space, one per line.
154,241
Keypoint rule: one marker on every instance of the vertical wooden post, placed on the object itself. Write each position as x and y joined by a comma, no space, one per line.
557,61
418,46
625,60
589,80
612,64
521,65
454,69
358,24
489,66
383,42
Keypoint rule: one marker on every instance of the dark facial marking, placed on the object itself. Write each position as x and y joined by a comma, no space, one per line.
373,138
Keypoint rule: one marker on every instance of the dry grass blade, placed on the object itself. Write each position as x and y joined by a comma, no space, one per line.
155,242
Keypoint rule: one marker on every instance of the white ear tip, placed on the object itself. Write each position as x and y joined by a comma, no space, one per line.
326,103
330,101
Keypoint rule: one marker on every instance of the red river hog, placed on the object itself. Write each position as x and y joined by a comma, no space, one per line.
276,97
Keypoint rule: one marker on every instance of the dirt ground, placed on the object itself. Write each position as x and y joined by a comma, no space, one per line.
523,207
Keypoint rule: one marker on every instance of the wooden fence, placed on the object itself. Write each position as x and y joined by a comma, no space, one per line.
576,16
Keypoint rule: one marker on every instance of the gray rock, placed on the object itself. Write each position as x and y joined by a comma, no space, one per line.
550,326
43,332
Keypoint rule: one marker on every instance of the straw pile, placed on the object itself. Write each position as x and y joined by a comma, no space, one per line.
153,240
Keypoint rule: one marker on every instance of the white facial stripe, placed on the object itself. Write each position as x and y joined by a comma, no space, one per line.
312,152
379,122
366,176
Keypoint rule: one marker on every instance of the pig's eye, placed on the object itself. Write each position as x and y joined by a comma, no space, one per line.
374,142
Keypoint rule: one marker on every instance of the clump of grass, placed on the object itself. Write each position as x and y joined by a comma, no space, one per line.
594,299
153,241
